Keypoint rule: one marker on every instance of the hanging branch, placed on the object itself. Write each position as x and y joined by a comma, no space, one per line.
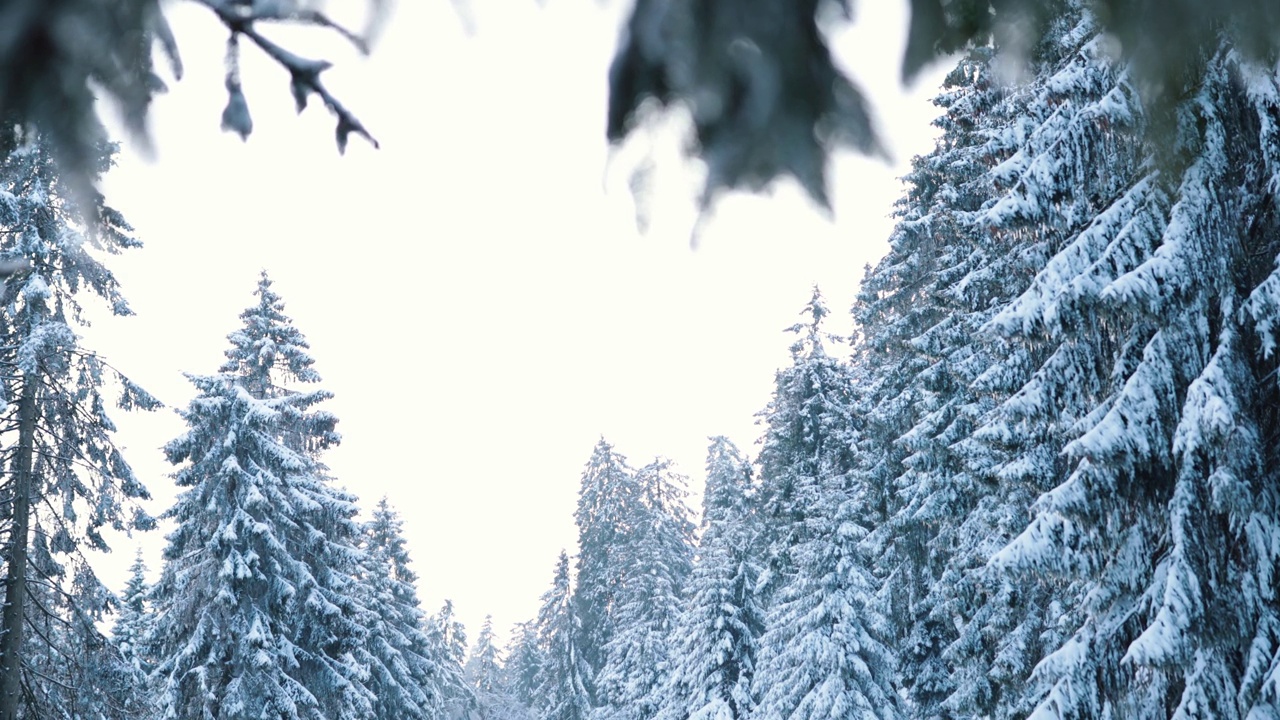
304,73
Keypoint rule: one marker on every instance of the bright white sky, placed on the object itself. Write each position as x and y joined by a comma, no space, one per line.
476,293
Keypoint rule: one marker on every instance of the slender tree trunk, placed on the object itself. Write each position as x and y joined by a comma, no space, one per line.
15,586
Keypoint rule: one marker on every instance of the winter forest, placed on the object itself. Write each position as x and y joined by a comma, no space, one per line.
1040,481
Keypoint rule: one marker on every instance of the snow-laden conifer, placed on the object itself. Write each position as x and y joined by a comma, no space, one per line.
822,655
525,658
933,374
65,481
561,688
487,676
1081,333
1164,502
133,630
655,558
258,612
448,640
404,677
805,440
606,499
484,663
714,642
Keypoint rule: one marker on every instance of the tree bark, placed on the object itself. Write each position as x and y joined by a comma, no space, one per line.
15,586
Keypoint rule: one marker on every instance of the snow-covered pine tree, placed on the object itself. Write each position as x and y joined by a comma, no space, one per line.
655,556
1125,297
449,648
64,479
257,608
486,674
605,497
404,677
933,376
78,674
715,639
133,630
806,438
525,658
561,688
822,654
484,663
1152,320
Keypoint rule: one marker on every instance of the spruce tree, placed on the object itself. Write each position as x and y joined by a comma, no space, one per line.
805,441
655,557
65,480
605,500
404,673
484,663
1152,318
715,640
561,688
525,658
822,654
449,646
487,676
931,375
257,605
133,630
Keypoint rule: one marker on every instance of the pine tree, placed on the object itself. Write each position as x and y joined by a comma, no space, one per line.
484,663
404,675
487,676
134,627
931,376
1152,320
822,654
805,440
606,495
715,641
257,605
449,647
656,556
1076,324
65,480
561,682
525,658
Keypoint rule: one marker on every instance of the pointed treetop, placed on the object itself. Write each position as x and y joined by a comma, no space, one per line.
810,344
268,347
728,477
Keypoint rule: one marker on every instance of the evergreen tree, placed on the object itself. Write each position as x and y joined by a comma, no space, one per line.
561,692
449,646
404,675
715,641
487,675
257,608
134,627
655,557
1152,318
822,653
525,658
605,501
484,663
931,376
1076,324
65,480
805,440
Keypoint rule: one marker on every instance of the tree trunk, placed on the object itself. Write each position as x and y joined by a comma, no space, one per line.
15,586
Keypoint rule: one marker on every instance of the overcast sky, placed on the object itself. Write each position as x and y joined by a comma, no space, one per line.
476,293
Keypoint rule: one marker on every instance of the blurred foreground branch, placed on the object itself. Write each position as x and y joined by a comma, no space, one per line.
757,77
